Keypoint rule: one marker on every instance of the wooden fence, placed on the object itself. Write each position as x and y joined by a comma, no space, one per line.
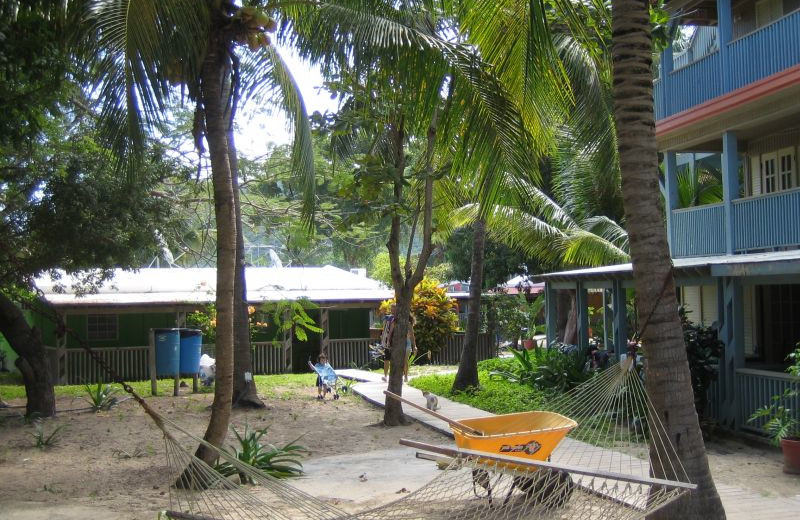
75,366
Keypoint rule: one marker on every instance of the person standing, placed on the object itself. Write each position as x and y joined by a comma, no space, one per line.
386,339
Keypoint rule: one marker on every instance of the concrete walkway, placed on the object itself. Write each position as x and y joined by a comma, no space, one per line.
740,504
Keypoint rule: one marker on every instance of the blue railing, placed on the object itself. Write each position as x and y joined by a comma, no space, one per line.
695,83
767,221
698,231
752,57
767,51
754,389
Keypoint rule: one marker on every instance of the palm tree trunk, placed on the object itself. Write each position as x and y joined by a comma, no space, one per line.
245,394
214,70
467,375
668,378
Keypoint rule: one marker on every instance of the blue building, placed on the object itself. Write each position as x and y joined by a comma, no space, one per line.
729,97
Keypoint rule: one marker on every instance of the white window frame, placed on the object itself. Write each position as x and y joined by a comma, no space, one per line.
769,179
786,176
110,331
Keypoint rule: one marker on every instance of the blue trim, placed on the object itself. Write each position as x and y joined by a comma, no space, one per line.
730,185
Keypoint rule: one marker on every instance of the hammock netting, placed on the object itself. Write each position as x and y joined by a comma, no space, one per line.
617,463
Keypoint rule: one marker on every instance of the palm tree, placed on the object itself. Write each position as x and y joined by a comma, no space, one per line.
668,377
139,52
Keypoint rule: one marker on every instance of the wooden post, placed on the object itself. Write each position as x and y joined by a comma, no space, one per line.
152,362
325,338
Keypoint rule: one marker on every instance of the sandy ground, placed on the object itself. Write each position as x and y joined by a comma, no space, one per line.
355,461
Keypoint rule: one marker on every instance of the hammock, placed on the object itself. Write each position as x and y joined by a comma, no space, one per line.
604,469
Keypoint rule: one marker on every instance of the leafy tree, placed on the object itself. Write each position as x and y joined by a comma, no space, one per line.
501,262
62,209
436,315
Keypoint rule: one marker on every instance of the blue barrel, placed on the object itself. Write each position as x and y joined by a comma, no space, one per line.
168,351
191,343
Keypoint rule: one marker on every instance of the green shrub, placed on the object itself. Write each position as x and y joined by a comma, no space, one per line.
278,462
435,313
100,397
41,439
494,395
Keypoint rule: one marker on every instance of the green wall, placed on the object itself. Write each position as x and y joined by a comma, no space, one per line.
133,329
349,323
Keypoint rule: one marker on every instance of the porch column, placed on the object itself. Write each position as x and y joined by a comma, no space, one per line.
325,337
731,333
582,313
286,345
670,193
725,35
606,318
666,65
730,185
551,312
620,344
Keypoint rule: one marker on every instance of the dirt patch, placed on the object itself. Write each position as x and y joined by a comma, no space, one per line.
115,460
112,464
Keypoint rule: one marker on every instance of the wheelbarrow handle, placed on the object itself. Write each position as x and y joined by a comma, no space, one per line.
455,424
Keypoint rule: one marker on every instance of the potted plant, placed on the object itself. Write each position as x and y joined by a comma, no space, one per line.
535,327
781,425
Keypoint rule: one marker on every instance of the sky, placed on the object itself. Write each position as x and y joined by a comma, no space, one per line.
257,128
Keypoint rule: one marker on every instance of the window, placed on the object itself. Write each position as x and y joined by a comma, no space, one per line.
101,327
768,174
767,11
786,168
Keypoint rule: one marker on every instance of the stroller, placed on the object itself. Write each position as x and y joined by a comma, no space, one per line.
326,378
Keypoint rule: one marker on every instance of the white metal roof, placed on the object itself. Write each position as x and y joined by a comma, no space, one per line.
197,285
709,265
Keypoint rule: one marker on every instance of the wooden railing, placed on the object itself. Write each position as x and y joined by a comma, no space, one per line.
344,353
767,221
698,231
750,58
755,388
451,353
75,366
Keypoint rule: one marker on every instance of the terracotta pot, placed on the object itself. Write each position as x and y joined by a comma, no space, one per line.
528,344
791,456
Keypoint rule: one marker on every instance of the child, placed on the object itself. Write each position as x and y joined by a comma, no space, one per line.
323,369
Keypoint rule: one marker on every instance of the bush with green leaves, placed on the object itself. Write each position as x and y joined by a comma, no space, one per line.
703,349
554,369
100,396
279,462
435,313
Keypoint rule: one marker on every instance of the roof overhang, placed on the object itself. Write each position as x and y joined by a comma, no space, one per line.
756,264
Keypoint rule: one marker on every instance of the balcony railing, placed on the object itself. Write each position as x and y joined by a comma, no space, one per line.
767,221
752,57
698,231
754,389
762,222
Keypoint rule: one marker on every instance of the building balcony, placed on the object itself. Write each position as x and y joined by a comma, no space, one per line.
728,67
761,223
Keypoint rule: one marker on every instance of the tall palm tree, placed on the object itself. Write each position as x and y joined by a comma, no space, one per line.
668,377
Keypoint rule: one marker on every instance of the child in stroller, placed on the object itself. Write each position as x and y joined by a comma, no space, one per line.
327,380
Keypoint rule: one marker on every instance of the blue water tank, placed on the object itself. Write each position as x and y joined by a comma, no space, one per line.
168,351
191,344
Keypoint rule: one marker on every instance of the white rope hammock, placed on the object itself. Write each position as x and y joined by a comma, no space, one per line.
617,463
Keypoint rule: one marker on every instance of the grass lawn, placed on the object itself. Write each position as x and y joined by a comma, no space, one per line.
282,386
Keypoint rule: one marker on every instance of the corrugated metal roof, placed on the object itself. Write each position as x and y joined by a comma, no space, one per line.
198,285
684,267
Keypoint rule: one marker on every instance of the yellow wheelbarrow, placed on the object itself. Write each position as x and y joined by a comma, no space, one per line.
525,435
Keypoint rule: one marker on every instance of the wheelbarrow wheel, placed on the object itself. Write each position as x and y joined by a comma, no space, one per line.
550,489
